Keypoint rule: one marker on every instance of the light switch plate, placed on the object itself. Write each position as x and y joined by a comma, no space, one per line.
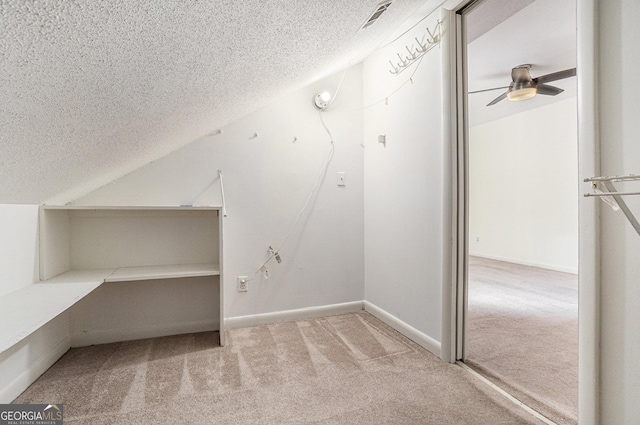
342,178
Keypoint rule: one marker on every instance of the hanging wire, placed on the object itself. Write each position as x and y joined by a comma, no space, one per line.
316,185
321,175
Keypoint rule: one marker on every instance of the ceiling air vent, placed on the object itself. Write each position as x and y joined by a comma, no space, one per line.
380,9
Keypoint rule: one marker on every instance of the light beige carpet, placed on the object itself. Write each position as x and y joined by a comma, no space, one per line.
522,333
346,369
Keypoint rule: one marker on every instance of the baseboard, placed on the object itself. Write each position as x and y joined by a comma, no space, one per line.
118,335
423,340
11,391
410,332
526,263
297,314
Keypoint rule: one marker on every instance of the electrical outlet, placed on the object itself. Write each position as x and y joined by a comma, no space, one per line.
243,283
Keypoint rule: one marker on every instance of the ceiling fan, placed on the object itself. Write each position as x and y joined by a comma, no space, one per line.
524,87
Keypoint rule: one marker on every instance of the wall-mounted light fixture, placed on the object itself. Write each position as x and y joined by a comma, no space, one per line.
321,100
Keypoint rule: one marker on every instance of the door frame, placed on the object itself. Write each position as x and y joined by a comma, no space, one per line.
456,196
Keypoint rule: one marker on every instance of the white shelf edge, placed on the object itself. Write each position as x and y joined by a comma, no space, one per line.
130,274
138,208
80,276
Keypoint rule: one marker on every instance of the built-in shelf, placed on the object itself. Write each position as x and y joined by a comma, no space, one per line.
83,247
132,274
24,311
130,243
163,272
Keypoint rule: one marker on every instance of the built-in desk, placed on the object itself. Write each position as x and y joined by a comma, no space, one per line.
26,310
83,247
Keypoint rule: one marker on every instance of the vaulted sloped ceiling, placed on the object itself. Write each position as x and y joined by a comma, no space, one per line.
90,90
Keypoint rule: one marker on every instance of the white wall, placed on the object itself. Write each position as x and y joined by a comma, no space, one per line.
267,180
403,188
151,307
523,198
18,246
619,62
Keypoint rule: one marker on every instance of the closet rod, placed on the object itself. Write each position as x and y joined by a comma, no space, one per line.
629,177
611,194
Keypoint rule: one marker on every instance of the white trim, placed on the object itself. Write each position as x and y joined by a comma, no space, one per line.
449,193
12,390
424,340
589,227
132,207
509,397
130,334
286,315
553,267
455,136
223,335
589,224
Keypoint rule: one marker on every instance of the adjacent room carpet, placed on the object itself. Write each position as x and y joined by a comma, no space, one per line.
345,369
522,334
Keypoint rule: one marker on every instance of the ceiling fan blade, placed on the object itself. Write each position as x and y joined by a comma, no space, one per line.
495,88
520,74
548,90
498,99
555,76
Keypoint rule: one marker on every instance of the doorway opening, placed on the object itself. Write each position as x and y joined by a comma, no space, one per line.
518,297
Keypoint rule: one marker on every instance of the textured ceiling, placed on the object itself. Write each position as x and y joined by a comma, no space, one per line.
90,90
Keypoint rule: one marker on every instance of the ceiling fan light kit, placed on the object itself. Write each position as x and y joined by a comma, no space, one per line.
523,93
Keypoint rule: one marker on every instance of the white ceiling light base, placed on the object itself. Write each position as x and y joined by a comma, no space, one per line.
321,101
